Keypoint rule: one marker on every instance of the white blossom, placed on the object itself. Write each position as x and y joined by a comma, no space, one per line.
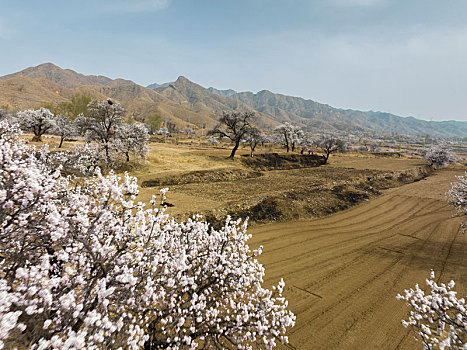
439,157
132,139
85,266
458,197
38,121
289,135
438,317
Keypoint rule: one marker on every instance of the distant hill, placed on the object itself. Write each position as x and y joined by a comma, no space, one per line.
155,86
196,98
48,83
65,77
321,116
183,102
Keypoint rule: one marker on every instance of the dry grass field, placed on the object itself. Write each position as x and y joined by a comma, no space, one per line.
343,272
265,195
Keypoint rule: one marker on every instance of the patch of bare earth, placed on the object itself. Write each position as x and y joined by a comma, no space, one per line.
279,195
343,272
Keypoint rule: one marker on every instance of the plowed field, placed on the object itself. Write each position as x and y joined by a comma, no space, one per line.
343,272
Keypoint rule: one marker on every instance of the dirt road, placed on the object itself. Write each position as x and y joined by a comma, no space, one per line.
343,272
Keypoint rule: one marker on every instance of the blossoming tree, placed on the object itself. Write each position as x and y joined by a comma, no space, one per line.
64,127
38,121
438,317
101,122
289,135
458,197
132,139
439,157
330,145
85,266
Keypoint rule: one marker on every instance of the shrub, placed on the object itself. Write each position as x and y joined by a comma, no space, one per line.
439,157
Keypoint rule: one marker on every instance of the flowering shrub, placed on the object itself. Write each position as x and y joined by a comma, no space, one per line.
79,160
85,266
458,196
439,157
438,317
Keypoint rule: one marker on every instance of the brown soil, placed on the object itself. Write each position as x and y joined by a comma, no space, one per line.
283,195
270,161
230,174
343,272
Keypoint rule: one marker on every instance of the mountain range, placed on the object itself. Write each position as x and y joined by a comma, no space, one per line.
184,101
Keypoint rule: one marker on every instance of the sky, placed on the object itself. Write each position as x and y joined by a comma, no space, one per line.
405,57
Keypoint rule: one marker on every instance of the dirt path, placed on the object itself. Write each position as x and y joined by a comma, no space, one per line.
343,272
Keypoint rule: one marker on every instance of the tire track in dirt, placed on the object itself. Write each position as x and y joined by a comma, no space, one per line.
297,257
343,272
341,269
370,307
345,217
332,230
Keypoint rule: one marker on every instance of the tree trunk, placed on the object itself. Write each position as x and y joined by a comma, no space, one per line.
232,154
61,142
127,157
37,138
253,146
106,146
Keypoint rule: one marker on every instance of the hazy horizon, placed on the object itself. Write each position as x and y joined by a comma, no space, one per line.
404,58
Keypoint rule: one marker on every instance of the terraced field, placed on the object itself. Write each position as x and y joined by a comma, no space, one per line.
343,272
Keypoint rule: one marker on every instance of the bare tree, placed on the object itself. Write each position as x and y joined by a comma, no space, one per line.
329,145
235,126
64,127
102,122
38,121
439,157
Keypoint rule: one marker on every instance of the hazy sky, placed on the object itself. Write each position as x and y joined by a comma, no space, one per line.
407,57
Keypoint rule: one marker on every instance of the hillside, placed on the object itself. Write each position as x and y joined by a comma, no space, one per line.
65,77
321,116
196,98
155,86
48,83
184,102
21,92
181,102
